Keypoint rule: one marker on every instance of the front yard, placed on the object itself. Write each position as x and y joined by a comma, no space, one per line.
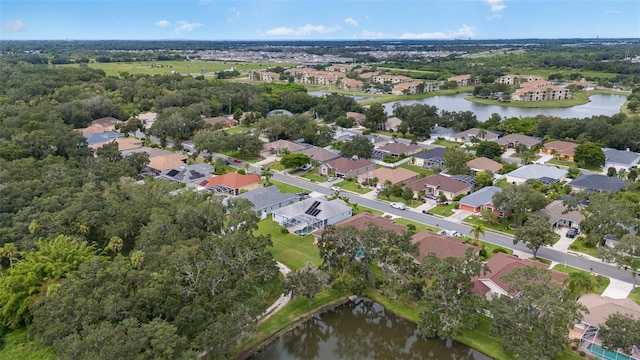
602,281
314,177
444,210
353,186
580,245
286,188
502,226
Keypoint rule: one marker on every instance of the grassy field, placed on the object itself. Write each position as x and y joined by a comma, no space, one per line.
379,99
419,226
291,250
602,281
546,72
353,186
193,67
446,143
17,346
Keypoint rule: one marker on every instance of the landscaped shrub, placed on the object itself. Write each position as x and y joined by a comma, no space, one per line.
483,253
241,171
501,250
284,231
458,197
411,227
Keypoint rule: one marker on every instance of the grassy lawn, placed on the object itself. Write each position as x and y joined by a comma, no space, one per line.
411,203
502,226
571,163
633,295
444,210
446,143
354,186
517,155
357,209
420,170
291,250
237,129
419,227
183,67
579,245
602,281
275,166
245,157
17,346
314,177
491,247
379,99
286,188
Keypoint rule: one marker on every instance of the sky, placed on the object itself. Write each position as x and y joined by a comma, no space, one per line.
317,20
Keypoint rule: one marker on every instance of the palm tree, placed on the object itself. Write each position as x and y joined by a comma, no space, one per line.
115,244
476,230
8,251
527,157
137,259
482,134
266,175
580,283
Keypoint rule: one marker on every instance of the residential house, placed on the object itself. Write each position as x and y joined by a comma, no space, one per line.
442,246
438,184
276,147
597,183
410,88
461,80
105,124
188,174
124,144
319,154
512,141
363,221
391,124
440,132
620,159
536,93
561,150
544,173
339,68
357,117
350,84
480,134
518,79
311,214
226,121
560,216
368,75
482,163
266,76
230,183
147,118
267,199
479,200
346,168
103,137
433,158
393,79
491,284
158,164
396,149
396,176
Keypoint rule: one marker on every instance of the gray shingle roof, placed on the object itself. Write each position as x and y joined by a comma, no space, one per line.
102,137
621,156
435,153
267,196
480,197
188,174
597,182
537,171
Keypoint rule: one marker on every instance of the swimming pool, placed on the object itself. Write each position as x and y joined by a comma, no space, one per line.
595,349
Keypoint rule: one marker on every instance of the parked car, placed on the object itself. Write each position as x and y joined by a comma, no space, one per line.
306,167
331,178
237,161
336,188
399,206
449,233
226,162
432,197
572,233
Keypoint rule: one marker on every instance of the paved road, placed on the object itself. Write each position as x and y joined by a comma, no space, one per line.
596,266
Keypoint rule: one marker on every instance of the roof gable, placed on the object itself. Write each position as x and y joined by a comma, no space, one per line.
440,182
344,165
435,153
481,197
598,182
442,246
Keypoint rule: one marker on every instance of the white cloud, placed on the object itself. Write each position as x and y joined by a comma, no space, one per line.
13,26
366,34
303,30
163,23
351,21
613,12
235,14
464,32
496,5
494,16
184,26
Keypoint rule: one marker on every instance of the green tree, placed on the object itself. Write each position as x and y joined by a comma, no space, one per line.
533,325
489,149
517,200
507,168
483,179
580,283
535,233
527,157
448,303
607,216
308,282
589,154
620,331
376,116
266,176
477,230
625,254
573,172
9,251
455,160
358,146
407,194
294,161
115,244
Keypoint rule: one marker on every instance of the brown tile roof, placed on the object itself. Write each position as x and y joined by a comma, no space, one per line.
356,116
556,211
152,152
600,307
344,165
351,81
123,144
561,147
483,164
460,77
232,180
363,220
400,148
100,125
282,144
396,176
166,162
219,119
319,154
440,182
442,246
500,264
475,132
368,74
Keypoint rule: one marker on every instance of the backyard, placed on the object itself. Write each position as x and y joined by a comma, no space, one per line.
292,250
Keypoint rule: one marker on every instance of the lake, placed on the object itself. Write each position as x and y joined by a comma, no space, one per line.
599,104
361,330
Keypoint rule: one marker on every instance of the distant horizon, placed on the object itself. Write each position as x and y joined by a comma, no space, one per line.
288,20
332,40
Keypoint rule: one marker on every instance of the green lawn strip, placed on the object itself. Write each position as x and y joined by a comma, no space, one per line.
501,227
353,186
17,346
419,226
570,163
580,245
357,209
446,143
286,188
411,203
236,129
491,247
602,281
633,295
245,157
275,166
292,250
444,210
314,177
420,170
518,155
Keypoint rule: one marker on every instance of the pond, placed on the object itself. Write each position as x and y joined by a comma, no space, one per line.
599,104
361,330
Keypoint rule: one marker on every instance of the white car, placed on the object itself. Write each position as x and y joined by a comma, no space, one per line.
306,167
336,188
331,178
399,206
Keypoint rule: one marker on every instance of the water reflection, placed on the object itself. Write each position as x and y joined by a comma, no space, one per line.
362,330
